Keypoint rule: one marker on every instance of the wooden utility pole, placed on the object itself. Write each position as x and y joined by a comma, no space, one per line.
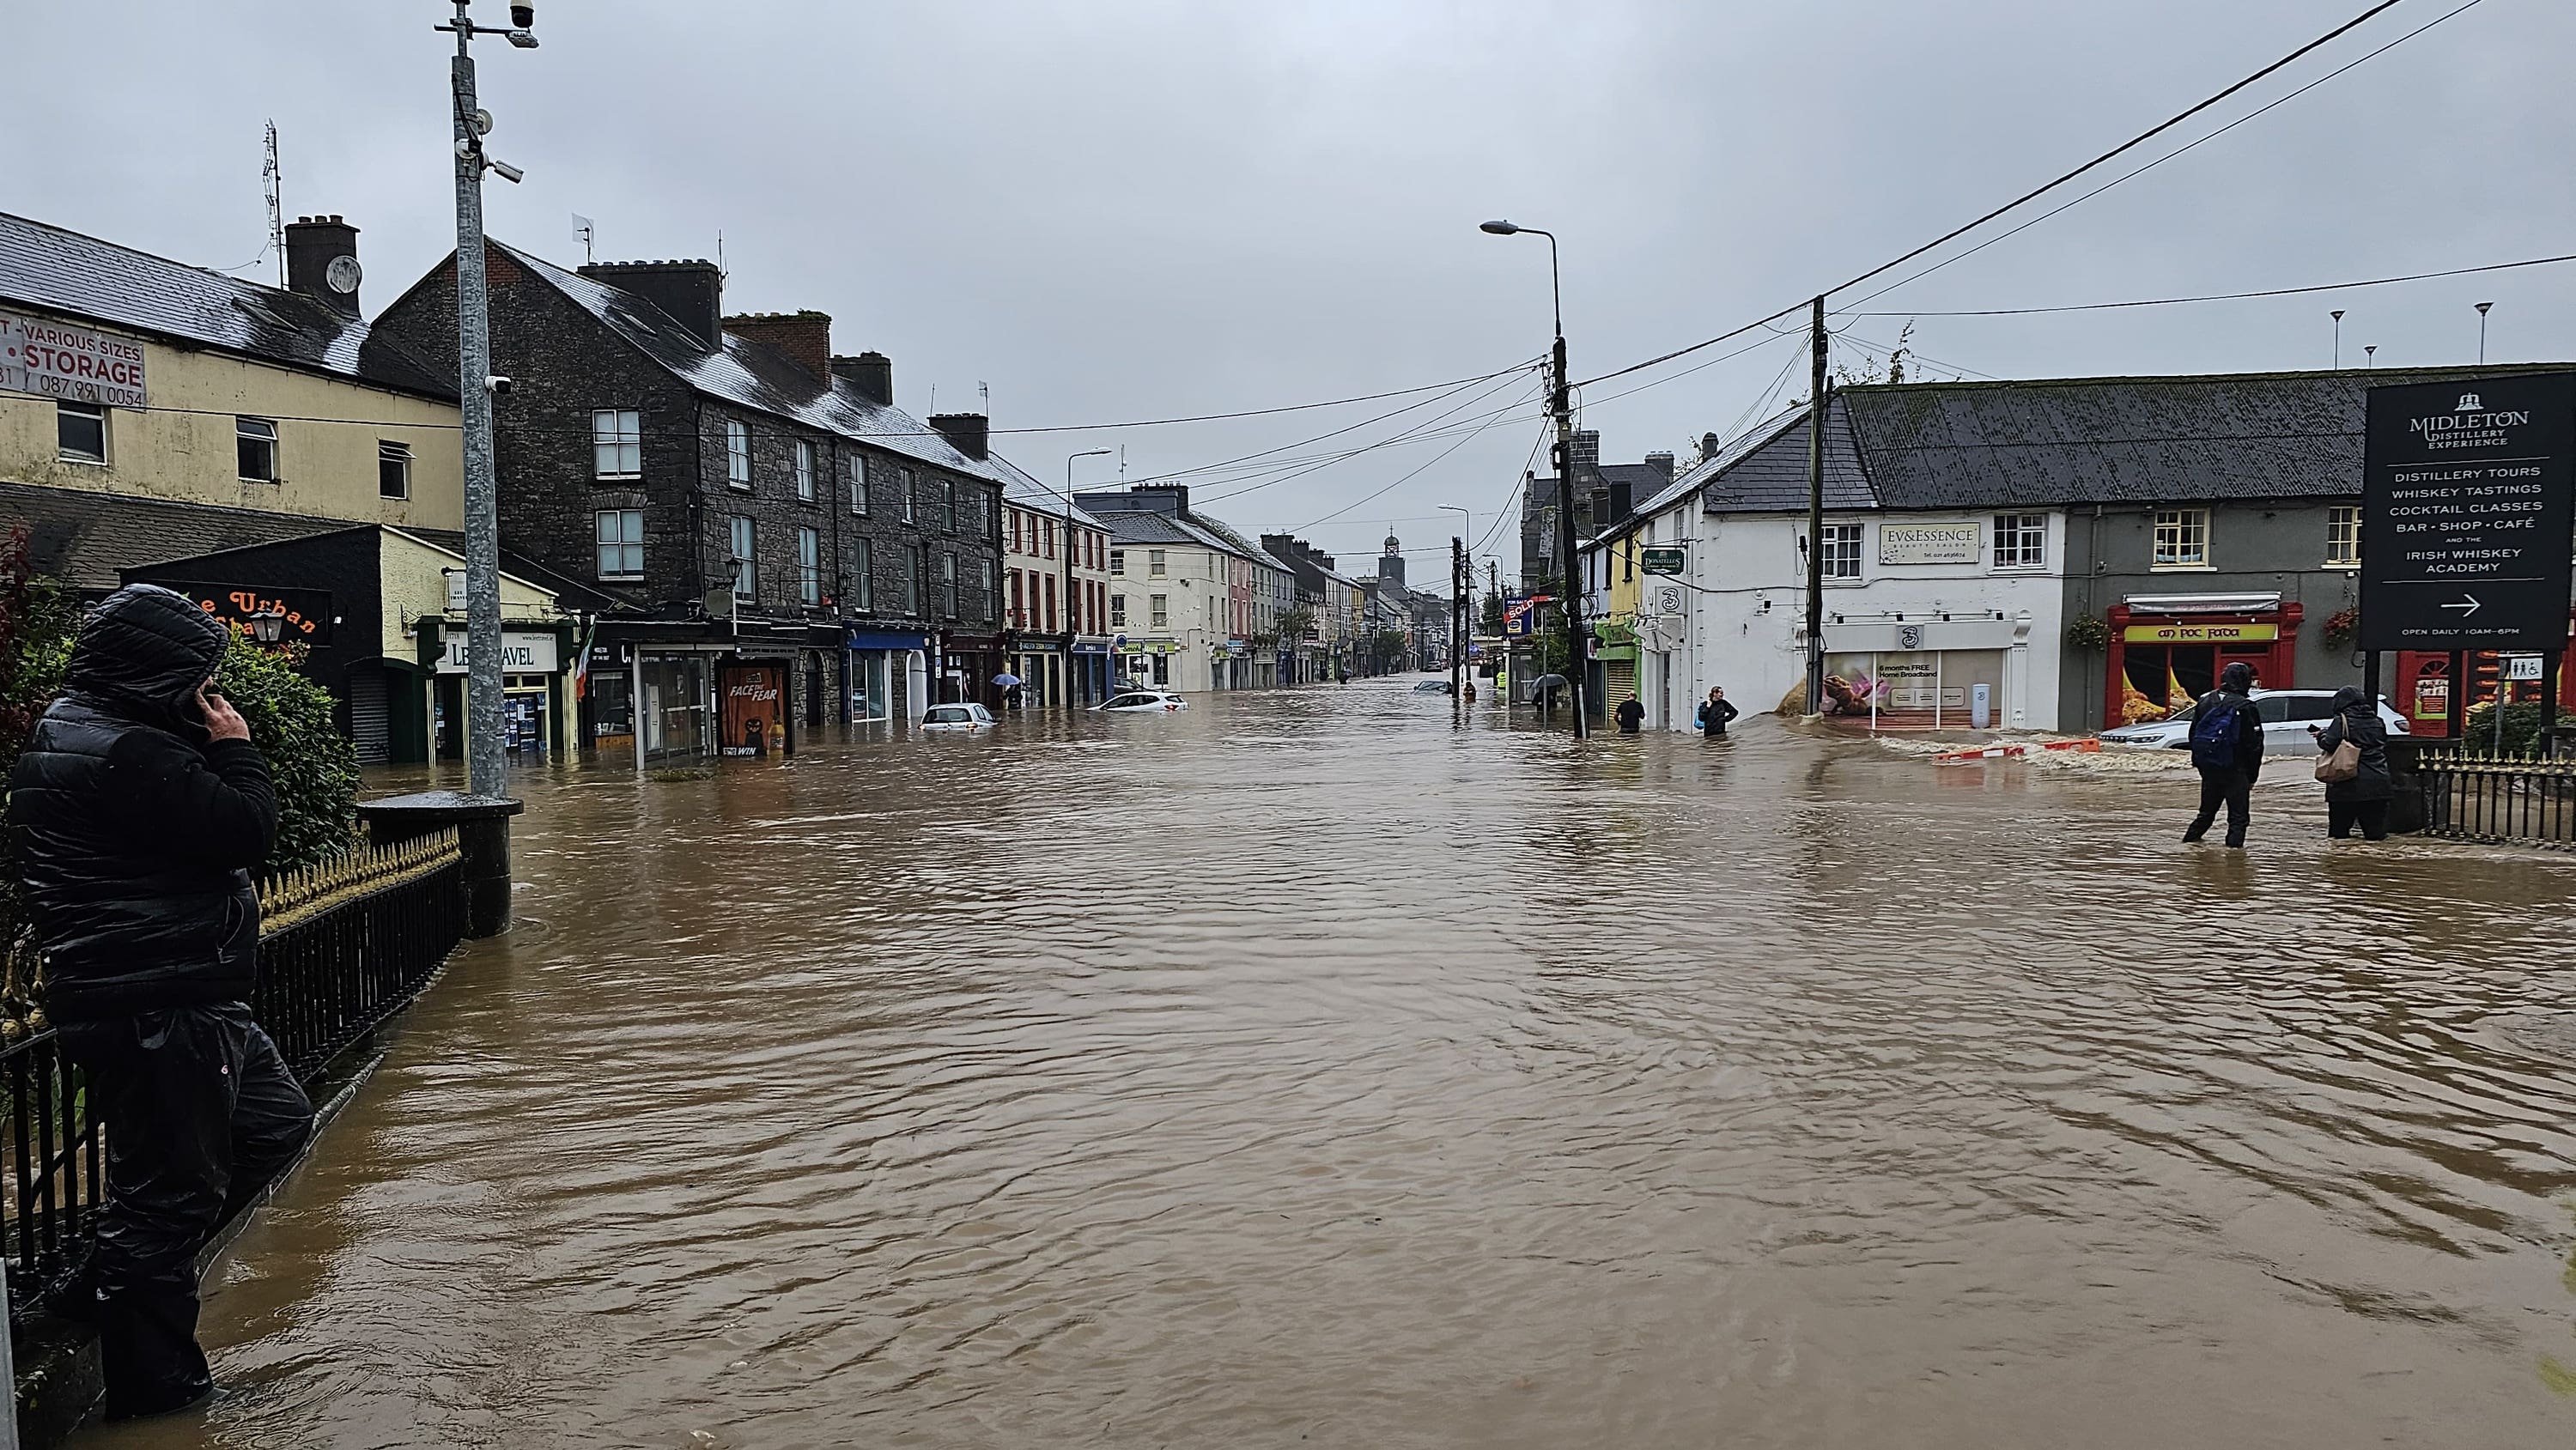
1816,512
1457,617
1576,667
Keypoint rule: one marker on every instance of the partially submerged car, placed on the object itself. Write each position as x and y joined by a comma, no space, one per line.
2286,715
956,719
1144,702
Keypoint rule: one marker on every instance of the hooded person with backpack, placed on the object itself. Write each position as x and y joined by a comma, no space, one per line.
2227,750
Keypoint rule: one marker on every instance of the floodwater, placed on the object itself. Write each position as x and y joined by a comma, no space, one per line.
1305,1069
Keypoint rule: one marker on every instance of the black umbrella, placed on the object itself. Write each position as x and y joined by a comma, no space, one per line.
1548,682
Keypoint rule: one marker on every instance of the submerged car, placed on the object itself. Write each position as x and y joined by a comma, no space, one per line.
951,719
1141,702
2286,714
1431,687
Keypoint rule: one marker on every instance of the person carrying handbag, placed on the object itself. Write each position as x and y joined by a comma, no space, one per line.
2355,768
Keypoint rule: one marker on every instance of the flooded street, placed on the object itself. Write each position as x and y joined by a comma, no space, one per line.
1304,1069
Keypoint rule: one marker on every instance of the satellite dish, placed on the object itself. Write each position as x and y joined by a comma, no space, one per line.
343,274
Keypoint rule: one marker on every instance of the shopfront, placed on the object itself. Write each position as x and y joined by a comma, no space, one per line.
2436,690
1089,672
1938,674
2169,650
878,661
1148,662
967,665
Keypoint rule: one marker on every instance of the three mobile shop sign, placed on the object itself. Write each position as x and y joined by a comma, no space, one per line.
2466,524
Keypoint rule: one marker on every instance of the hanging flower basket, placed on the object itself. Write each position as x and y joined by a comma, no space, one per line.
2337,632
2087,632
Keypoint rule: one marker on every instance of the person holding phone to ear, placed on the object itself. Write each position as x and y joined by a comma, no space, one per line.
140,810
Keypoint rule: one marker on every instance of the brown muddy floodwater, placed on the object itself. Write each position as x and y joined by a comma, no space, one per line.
1303,1070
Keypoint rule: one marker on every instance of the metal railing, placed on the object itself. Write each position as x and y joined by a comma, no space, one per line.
2499,799
342,947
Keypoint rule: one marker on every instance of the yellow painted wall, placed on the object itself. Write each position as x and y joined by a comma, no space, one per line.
183,446
414,582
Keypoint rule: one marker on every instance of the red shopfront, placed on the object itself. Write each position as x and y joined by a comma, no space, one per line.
2436,688
2169,652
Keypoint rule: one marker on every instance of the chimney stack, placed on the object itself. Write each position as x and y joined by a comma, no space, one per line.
1661,463
690,293
870,374
1587,448
805,337
968,433
313,243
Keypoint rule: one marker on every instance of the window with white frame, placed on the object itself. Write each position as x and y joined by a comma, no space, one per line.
616,443
2182,539
858,471
255,444
948,504
809,567
805,470
393,469
2343,536
903,494
863,582
948,586
621,544
746,573
912,580
737,454
1118,563
1117,611
1159,614
2021,541
1842,551
80,432
983,589
1157,564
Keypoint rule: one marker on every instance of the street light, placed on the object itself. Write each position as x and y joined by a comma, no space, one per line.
2337,315
486,763
1562,404
2482,332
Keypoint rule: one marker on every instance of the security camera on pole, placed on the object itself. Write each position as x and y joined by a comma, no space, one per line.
486,766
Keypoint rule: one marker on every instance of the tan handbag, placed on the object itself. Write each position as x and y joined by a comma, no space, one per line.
2342,765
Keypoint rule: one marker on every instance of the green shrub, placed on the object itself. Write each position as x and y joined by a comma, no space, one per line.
314,765
2521,729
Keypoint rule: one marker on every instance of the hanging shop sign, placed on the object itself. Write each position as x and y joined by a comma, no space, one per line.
1963,543
2465,514
75,363
521,654
307,611
2200,633
1662,560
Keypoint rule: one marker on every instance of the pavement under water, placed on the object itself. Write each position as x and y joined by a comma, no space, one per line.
1307,1068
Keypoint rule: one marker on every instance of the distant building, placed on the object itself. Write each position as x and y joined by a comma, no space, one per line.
1196,604
1055,593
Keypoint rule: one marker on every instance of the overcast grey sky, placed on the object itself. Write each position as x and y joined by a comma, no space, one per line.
1140,208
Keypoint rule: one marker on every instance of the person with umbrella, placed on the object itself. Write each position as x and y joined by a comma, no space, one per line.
1009,685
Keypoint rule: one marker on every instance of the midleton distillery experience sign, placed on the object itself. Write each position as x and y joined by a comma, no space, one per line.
54,360
2464,514
1962,543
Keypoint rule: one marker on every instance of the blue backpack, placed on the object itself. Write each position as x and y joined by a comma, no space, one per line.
2213,735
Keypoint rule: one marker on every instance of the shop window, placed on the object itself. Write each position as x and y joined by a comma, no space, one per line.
809,567
393,469
255,442
1161,615
864,558
737,455
616,443
2182,539
858,470
1117,611
1157,564
805,470
620,534
746,571
2343,536
80,432
2021,541
948,586
1842,551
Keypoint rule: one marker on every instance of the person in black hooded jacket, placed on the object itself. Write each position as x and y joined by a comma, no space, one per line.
2228,782
139,811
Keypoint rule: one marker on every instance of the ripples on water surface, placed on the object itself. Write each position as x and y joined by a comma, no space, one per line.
1302,1070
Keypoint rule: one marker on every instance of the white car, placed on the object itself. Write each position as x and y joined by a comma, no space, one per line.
2286,715
957,719
1144,702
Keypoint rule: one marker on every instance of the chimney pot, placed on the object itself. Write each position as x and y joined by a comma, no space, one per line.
690,293
968,433
805,337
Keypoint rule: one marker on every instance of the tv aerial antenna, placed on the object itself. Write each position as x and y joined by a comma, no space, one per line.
271,176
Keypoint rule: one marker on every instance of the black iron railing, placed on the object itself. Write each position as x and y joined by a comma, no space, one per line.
2491,798
342,947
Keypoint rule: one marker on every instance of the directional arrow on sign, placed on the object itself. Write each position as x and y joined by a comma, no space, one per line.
2467,606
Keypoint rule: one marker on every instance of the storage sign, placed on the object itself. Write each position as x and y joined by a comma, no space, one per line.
2465,514
1931,543
55,360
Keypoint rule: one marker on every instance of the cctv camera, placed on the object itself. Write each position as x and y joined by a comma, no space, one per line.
523,16
509,173
500,386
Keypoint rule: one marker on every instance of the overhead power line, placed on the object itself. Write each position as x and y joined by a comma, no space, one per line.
2231,296
1285,408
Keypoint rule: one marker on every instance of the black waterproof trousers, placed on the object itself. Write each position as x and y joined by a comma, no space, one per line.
2371,816
2230,788
200,1113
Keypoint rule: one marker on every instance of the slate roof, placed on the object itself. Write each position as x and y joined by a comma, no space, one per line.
2065,441
1147,528
1234,540
67,272
86,538
1022,487
753,374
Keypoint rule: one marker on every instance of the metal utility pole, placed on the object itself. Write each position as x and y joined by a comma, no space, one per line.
1816,512
486,763
1561,402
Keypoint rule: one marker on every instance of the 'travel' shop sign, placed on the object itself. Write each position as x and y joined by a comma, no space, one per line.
521,654
1959,543
2465,517
58,361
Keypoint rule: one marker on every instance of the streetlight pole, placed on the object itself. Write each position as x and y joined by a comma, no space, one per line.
486,763
1561,402
2482,332
1068,565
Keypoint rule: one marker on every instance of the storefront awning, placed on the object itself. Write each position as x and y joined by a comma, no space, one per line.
886,639
2242,603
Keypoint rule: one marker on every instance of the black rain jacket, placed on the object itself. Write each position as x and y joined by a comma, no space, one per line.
137,836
